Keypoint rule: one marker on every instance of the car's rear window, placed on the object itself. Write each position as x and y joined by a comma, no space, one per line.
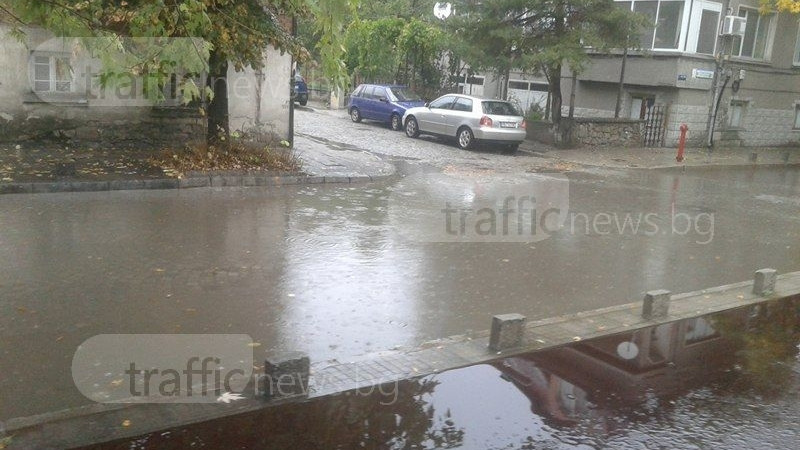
404,95
500,108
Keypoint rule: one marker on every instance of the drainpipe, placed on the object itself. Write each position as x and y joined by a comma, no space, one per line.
719,67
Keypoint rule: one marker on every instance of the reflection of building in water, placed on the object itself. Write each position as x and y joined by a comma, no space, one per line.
580,381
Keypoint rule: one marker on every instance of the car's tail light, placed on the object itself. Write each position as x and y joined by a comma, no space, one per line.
524,124
486,121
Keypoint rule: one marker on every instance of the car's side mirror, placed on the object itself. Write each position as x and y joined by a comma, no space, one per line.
427,104
384,99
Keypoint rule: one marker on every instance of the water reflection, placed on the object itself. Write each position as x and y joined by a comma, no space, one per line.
699,382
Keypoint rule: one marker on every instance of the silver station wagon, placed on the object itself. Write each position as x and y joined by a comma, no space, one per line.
469,120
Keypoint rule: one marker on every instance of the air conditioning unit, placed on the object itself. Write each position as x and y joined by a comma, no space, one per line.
734,26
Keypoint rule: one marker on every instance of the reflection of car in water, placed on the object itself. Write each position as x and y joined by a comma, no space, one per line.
300,90
589,380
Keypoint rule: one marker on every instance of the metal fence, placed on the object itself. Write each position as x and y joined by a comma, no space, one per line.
655,126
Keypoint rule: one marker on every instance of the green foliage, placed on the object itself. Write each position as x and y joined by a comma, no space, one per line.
235,30
372,48
538,35
396,50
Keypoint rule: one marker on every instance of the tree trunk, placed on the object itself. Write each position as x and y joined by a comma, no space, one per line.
555,92
572,94
218,125
559,15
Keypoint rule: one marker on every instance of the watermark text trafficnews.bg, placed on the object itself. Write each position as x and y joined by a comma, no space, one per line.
529,208
190,368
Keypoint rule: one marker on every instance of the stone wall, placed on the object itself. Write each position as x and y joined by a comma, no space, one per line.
760,127
600,132
107,127
695,117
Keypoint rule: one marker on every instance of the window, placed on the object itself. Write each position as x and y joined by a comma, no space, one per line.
737,113
521,85
666,18
379,93
707,36
368,92
52,73
678,24
668,26
540,87
463,104
500,108
358,91
404,95
797,47
442,103
640,104
756,34
797,116
478,81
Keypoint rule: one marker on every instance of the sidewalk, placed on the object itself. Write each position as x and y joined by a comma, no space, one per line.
654,158
43,167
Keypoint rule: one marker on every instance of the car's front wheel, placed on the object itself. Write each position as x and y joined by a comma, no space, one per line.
465,138
355,115
412,128
396,122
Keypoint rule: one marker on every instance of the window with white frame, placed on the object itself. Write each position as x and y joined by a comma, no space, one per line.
683,25
755,42
797,47
52,73
666,18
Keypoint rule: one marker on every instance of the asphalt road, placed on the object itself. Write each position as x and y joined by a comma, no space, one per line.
343,270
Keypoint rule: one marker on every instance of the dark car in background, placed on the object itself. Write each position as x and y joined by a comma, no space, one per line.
384,103
300,91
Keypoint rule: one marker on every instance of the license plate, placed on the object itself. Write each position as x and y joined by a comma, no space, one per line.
508,124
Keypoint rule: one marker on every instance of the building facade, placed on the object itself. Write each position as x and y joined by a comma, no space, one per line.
50,89
674,68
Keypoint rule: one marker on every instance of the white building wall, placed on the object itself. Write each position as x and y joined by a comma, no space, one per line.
259,101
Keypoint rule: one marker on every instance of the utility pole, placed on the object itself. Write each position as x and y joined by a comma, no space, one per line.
716,88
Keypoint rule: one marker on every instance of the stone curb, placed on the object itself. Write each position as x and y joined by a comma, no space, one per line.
211,180
683,166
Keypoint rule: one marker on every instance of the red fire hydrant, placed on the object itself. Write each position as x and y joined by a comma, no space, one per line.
682,142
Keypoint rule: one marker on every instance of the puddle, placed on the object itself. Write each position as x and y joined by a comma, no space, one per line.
723,381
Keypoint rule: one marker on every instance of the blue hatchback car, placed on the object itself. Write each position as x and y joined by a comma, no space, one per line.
300,91
383,103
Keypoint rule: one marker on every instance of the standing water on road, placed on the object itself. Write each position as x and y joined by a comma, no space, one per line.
329,270
729,380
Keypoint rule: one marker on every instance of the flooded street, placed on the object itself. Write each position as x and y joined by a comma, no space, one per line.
697,383
332,271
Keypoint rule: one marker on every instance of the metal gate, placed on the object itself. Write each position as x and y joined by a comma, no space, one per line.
655,126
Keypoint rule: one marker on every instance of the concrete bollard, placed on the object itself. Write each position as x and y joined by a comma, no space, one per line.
286,375
507,331
764,283
656,304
